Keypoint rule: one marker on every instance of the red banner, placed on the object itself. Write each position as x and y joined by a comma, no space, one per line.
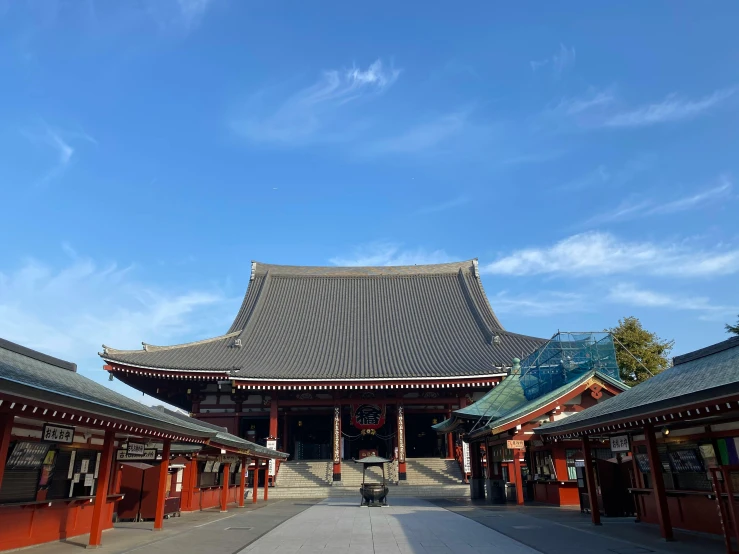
368,416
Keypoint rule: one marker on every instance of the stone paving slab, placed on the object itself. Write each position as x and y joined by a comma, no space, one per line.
554,530
408,526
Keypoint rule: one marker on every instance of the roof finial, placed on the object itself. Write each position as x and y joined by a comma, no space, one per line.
516,368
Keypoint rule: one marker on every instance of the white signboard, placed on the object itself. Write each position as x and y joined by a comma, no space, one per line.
620,443
136,448
272,443
58,433
126,456
89,480
466,457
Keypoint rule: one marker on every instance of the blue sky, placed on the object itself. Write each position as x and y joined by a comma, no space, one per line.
587,154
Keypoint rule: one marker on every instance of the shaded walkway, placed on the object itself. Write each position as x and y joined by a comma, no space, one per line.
206,532
553,530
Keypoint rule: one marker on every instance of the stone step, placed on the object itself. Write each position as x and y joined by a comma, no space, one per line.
444,491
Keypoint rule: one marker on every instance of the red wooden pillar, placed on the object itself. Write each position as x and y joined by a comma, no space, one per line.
590,479
517,476
449,437
101,491
658,484
162,487
273,430
273,418
286,433
224,488
256,481
337,443
242,482
266,479
402,475
6,428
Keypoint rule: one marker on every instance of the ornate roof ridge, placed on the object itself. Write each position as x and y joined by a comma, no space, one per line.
153,348
277,270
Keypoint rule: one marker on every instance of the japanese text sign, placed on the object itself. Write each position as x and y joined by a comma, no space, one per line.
58,433
620,443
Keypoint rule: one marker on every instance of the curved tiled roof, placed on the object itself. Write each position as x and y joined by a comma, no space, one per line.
334,323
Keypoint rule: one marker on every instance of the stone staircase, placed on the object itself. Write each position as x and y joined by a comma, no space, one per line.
426,478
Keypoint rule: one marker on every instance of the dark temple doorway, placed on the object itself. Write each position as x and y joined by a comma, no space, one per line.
310,437
420,439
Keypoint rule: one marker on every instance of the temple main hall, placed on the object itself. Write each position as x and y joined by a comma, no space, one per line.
334,363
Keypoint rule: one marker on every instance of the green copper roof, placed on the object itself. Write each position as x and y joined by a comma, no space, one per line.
708,373
524,408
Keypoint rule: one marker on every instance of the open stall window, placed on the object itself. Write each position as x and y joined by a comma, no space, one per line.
23,471
572,455
544,465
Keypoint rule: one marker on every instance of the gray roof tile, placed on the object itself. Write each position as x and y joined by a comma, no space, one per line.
333,323
36,376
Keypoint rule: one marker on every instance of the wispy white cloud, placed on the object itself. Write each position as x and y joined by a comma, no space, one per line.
642,207
559,61
595,254
671,109
71,309
600,108
389,253
542,303
594,99
64,150
424,138
630,294
60,142
314,110
192,11
170,16
444,206
720,192
612,177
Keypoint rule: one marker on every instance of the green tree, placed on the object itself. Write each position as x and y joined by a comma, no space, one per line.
637,348
733,328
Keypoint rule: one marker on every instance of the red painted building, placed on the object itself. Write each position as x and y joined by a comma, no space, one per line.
333,362
507,462
677,436
64,441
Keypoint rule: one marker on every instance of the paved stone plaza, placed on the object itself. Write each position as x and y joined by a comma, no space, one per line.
408,526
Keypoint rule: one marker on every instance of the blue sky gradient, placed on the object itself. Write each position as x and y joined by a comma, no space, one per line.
586,153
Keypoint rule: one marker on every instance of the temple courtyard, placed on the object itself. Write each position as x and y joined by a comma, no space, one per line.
408,525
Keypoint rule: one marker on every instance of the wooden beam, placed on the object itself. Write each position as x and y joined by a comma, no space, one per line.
658,484
255,481
242,483
101,491
224,488
517,475
162,485
590,479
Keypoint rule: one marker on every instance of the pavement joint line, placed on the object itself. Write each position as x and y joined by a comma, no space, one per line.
214,521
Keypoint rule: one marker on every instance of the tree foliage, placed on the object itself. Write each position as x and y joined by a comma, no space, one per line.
637,348
734,329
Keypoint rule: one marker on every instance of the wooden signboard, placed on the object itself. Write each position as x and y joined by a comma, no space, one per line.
515,445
